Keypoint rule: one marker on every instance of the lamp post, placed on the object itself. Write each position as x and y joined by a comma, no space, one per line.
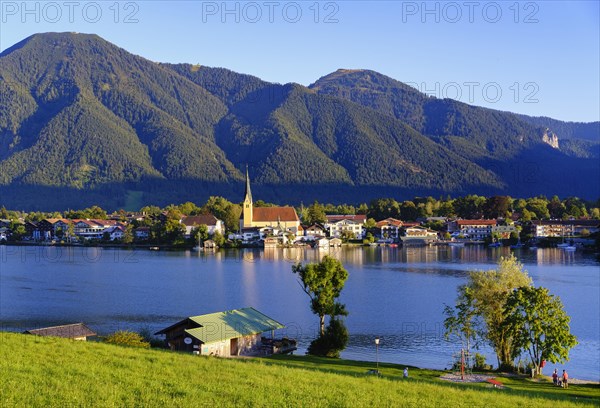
377,353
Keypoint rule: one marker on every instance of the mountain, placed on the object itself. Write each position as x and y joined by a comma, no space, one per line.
83,121
529,154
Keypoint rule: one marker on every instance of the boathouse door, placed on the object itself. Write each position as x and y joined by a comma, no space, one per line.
234,347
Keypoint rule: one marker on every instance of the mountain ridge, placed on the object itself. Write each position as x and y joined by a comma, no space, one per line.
77,112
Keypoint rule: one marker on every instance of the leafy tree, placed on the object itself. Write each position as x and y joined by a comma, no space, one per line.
151,210
383,208
347,235
538,325
539,206
496,206
409,211
189,208
315,213
332,342
486,293
199,233
224,210
323,282
218,238
371,223
461,321
362,209
18,230
369,238
128,235
469,207
446,209
556,208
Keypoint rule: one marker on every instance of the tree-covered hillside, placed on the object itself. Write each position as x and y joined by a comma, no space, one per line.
81,118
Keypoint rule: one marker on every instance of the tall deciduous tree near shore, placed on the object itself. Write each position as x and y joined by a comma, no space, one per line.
538,326
484,298
323,282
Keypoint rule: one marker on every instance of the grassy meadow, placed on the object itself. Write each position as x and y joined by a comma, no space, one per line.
41,371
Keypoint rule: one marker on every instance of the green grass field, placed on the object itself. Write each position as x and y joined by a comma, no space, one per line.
38,371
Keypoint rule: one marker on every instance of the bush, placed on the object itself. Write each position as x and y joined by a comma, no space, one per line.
127,338
332,342
480,363
154,341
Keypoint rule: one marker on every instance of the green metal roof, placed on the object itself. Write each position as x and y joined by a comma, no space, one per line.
231,324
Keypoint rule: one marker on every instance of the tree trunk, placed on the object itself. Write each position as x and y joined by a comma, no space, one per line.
322,324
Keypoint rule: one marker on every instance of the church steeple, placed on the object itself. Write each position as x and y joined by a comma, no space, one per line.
248,194
246,221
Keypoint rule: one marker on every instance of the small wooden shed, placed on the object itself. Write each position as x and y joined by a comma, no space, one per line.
210,244
76,331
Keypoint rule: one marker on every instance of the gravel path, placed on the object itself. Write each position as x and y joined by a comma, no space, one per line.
473,378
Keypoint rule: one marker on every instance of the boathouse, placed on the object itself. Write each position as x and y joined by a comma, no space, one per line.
76,331
231,333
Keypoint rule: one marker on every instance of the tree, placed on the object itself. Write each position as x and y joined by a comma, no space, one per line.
224,210
556,208
218,238
200,233
461,321
486,293
539,206
18,230
323,282
496,206
332,342
409,211
129,234
371,223
538,325
189,208
384,208
469,207
315,214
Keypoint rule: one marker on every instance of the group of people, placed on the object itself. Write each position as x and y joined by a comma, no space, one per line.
560,381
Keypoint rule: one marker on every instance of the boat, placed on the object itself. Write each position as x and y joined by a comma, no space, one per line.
563,245
533,248
154,248
570,248
495,245
518,245
456,244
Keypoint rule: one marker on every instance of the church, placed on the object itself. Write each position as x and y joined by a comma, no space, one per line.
280,218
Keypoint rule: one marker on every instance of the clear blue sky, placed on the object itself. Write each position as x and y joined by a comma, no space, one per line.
542,56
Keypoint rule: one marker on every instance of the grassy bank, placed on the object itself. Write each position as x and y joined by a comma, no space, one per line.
36,371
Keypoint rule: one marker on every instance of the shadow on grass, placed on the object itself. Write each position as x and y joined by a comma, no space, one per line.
524,387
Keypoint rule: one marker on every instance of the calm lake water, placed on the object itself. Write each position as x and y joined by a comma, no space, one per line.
396,294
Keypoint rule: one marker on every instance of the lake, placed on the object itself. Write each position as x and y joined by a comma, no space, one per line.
394,293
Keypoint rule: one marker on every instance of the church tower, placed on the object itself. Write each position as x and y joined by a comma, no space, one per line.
247,211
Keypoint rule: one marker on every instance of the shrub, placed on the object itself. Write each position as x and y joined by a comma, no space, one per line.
480,362
127,338
332,342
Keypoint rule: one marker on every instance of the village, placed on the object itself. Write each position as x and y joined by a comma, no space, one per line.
281,226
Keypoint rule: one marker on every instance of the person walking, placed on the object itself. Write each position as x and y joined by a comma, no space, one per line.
565,379
405,372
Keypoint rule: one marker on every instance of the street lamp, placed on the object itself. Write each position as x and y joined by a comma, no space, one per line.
377,353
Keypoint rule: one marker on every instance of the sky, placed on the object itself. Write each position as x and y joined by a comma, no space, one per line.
539,58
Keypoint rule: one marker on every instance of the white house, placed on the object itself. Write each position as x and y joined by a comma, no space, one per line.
354,224
474,229
212,223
